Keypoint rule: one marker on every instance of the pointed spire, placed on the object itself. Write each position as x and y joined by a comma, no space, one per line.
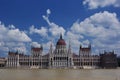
41,47
51,47
60,36
51,44
9,51
17,51
69,44
31,46
89,45
113,51
69,50
80,46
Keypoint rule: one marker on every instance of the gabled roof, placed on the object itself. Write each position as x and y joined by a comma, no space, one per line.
36,49
46,55
85,49
12,53
75,55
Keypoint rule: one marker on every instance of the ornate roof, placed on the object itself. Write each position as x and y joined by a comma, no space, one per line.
36,49
12,53
61,41
75,55
85,49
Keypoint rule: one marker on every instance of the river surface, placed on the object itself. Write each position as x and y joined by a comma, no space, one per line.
59,74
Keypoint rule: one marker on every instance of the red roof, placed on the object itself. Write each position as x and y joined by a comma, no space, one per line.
61,41
75,55
12,53
85,49
36,49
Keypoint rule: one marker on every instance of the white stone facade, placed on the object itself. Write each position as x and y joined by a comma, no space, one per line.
61,57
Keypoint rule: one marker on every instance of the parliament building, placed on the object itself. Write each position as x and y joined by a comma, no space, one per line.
60,57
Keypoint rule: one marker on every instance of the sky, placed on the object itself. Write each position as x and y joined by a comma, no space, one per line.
26,23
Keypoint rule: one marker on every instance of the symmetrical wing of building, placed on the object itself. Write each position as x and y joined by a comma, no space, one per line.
61,57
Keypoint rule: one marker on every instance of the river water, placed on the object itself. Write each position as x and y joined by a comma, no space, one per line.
59,74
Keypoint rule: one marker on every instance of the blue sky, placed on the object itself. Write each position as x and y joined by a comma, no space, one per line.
34,22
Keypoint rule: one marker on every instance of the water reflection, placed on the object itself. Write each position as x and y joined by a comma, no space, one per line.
44,74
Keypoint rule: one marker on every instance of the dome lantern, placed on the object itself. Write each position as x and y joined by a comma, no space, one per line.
61,41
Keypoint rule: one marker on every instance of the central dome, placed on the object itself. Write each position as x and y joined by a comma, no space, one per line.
61,41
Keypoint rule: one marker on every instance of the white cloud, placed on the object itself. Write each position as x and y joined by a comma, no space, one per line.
93,4
2,43
17,35
11,26
50,33
54,29
42,31
21,49
12,38
72,35
48,11
103,30
86,42
100,29
100,25
35,44
7,34
46,46
74,38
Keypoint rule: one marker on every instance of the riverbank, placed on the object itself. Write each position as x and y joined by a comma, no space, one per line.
59,74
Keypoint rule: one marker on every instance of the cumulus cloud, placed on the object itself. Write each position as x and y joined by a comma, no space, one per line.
20,49
54,29
49,33
7,34
11,26
46,46
102,28
42,31
86,42
100,25
35,44
93,4
74,38
12,38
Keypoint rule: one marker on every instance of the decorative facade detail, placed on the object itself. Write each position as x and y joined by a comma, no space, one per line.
108,60
61,57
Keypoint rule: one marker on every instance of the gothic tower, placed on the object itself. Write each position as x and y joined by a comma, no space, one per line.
60,58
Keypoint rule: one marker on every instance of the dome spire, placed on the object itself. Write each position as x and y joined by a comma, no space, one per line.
61,41
60,36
